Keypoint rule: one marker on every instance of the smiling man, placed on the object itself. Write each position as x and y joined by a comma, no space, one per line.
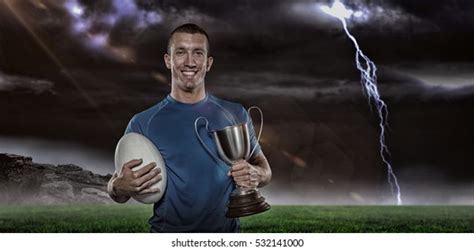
198,186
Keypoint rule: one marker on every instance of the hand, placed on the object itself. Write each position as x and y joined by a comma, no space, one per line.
245,175
130,183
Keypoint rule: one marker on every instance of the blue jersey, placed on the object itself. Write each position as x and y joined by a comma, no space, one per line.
198,188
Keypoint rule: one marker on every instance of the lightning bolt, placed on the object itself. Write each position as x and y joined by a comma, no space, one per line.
368,74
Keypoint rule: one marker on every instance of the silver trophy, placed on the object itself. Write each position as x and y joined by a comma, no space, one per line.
233,144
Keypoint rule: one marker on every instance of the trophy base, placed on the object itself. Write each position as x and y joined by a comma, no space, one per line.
246,204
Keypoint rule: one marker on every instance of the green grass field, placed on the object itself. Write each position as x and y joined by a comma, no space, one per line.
282,219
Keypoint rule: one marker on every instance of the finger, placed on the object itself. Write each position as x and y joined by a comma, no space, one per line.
245,171
243,184
238,166
254,176
150,182
250,184
254,179
132,163
149,190
240,173
147,176
242,178
144,170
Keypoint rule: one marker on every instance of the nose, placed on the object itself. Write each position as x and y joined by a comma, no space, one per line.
189,60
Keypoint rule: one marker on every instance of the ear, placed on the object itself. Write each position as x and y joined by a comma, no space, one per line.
167,59
210,60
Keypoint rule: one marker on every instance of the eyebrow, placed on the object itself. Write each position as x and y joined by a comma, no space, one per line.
194,49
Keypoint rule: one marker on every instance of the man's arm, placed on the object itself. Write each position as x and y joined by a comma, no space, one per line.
112,194
129,183
255,173
265,172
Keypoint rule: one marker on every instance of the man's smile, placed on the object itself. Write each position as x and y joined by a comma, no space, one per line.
189,73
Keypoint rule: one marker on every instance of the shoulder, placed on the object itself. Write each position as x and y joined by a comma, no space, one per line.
150,112
234,107
139,121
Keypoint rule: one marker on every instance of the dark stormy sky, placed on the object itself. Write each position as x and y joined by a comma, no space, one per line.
73,72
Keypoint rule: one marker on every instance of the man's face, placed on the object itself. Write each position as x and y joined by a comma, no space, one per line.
188,60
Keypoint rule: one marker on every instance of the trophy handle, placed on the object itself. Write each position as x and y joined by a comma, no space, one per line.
259,131
200,139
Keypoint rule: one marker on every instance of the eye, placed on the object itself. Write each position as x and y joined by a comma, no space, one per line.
179,52
199,53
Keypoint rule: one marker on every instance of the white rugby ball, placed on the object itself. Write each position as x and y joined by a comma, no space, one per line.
136,146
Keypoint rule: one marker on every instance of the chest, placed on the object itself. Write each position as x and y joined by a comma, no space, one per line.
174,132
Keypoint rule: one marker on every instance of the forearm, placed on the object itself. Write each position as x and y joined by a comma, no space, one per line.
265,172
112,194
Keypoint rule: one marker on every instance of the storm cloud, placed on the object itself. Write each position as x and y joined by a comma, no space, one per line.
11,83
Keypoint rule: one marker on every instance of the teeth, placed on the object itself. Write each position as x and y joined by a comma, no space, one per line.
189,73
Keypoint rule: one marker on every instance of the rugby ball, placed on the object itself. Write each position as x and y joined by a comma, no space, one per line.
136,146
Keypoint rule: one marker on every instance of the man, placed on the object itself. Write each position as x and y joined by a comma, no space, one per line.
198,186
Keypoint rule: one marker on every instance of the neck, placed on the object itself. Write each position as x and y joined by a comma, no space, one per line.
191,97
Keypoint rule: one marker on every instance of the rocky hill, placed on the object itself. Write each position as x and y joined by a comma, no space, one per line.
24,182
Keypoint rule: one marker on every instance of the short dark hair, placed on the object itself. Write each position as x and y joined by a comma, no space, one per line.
191,29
